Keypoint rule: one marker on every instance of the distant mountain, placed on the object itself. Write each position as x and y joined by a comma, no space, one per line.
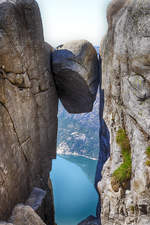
78,134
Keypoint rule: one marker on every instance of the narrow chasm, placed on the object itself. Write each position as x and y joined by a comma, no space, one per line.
79,162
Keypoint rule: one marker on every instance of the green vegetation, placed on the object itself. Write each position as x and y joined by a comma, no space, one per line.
147,163
132,208
122,175
148,152
148,156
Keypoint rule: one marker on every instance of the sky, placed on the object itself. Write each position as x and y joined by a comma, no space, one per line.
67,20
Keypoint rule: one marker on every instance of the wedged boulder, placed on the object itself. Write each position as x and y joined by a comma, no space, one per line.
76,73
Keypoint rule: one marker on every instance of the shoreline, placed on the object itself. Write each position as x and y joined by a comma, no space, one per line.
75,154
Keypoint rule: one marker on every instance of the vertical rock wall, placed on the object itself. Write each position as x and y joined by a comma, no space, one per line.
125,51
28,107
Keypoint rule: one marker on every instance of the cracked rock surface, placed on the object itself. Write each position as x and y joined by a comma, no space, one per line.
76,73
126,83
28,107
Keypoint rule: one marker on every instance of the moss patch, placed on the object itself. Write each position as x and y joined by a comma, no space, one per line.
122,175
132,208
148,152
147,163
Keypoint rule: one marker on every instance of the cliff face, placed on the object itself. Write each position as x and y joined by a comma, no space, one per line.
28,107
124,188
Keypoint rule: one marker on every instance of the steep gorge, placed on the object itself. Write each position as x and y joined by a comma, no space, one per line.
29,93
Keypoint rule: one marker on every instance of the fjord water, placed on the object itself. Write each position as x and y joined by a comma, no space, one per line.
73,185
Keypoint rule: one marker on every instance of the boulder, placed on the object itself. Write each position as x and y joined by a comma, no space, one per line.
25,215
76,73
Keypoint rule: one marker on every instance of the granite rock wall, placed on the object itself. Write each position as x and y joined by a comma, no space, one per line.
125,183
28,107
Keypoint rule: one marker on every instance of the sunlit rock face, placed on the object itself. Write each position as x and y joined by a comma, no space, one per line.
76,73
28,107
125,55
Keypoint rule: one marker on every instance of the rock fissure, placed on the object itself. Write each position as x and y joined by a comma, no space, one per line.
146,135
20,144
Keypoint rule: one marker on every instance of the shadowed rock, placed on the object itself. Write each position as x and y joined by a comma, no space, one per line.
35,199
75,68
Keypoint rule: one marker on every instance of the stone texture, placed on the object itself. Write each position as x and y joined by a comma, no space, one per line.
4,223
126,83
28,107
75,68
104,143
25,215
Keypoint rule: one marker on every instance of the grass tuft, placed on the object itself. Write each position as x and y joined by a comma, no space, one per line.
147,163
122,175
132,208
148,152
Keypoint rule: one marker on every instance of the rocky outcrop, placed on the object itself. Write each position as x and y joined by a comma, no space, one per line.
25,215
28,108
75,68
125,184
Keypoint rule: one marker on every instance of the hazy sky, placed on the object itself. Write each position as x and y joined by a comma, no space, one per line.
65,20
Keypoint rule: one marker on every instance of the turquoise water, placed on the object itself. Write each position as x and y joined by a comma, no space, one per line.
73,184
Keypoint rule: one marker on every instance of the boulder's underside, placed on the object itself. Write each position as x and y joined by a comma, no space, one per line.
76,73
